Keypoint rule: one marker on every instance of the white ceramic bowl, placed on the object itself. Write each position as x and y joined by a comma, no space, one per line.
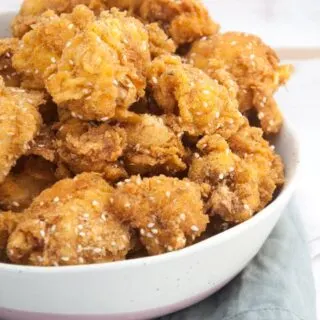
146,287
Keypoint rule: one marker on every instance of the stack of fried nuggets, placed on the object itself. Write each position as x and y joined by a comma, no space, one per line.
114,146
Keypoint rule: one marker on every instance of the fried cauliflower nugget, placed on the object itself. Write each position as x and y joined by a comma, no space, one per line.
244,172
7,47
153,148
32,9
86,147
185,20
202,105
167,211
20,122
159,42
252,64
30,177
42,47
68,225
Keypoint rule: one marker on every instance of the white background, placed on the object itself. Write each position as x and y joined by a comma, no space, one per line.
291,24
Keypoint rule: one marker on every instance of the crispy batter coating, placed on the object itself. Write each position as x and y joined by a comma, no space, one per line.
159,42
184,20
252,64
203,106
8,222
32,9
67,225
42,47
19,122
86,147
93,67
167,211
243,172
30,177
153,148
10,76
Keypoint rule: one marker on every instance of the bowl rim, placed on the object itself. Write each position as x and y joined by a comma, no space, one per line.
215,240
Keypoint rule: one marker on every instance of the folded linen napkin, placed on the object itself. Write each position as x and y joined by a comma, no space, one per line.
276,285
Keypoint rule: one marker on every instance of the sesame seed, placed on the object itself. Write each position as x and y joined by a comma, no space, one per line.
41,203
154,80
221,176
42,233
103,217
272,147
154,231
194,228
56,199
260,115
70,26
65,259
111,200
80,226
233,43
142,232
68,44
86,215
113,244
271,123
197,155
53,228
227,151
81,260
115,82
246,206
71,62
206,92
168,194
169,248
79,248
252,56
205,104
231,169
15,204
150,225
53,60
98,39
82,234
97,250
182,216
264,99
217,114
149,235
95,203
40,259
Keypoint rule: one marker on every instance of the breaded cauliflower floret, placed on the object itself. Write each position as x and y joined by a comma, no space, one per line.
184,20
202,105
68,225
253,66
32,9
41,48
86,147
167,211
30,177
19,124
153,148
111,53
243,173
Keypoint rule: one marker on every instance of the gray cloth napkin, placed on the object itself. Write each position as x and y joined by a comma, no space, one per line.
276,285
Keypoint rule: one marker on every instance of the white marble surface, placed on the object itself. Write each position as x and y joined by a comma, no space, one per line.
285,24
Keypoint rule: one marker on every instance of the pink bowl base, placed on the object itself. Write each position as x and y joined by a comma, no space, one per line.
9,314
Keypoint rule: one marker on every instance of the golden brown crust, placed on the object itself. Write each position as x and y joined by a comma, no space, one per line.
159,42
184,20
167,211
67,225
19,122
201,104
253,66
30,177
153,148
86,147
